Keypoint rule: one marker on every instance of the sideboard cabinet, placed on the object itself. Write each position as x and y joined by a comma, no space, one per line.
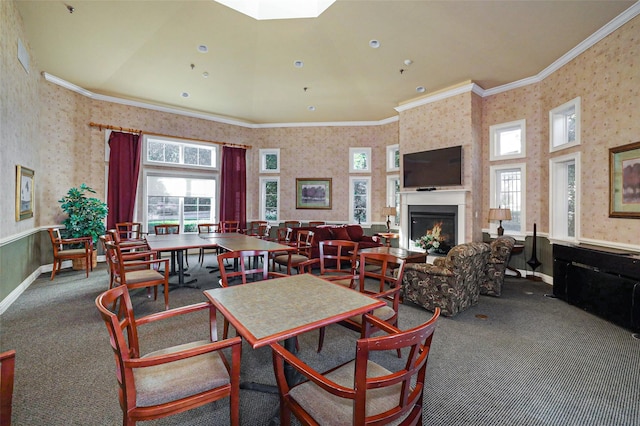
605,282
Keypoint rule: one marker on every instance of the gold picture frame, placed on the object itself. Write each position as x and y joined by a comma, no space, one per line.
313,193
624,181
24,193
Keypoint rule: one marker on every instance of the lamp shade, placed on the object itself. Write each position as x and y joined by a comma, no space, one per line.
388,211
499,214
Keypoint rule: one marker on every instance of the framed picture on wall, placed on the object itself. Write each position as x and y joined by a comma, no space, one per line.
624,181
313,193
24,193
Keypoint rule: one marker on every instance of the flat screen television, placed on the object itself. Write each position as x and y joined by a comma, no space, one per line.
436,167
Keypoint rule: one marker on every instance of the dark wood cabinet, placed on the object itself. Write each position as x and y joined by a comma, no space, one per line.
605,282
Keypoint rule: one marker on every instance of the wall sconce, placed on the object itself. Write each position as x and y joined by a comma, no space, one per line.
500,214
388,211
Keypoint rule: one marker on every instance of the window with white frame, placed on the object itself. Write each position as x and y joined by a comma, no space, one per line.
564,197
179,184
270,198
270,160
360,200
508,140
393,197
393,158
359,160
172,152
564,125
508,189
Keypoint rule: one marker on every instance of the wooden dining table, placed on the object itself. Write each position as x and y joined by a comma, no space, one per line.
279,309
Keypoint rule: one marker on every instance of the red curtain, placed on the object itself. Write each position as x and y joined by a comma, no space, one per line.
124,166
233,186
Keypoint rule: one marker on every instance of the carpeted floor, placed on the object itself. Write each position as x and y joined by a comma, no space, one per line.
533,360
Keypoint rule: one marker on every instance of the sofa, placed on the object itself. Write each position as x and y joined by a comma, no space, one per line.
452,283
497,265
338,232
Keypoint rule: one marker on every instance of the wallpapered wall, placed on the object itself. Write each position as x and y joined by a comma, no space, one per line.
47,129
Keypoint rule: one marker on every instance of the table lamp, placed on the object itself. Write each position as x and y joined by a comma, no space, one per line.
500,214
388,211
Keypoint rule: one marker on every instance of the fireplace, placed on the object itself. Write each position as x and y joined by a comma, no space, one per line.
439,221
441,202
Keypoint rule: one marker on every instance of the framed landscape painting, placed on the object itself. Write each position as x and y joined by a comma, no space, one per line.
313,193
624,181
24,193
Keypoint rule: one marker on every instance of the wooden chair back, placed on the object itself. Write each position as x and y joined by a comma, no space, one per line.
338,257
292,224
208,228
317,222
254,227
374,394
167,228
183,362
7,371
230,226
70,249
243,259
129,231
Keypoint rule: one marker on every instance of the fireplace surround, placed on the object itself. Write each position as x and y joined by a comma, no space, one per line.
429,205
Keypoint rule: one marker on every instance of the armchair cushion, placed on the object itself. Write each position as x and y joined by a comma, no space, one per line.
453,285
341,233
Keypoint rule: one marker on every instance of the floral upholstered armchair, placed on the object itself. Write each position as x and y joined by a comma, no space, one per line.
496,266
452,283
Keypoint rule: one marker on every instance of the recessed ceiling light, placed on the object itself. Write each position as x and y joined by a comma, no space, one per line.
203,48
374,44
408,62
298,64
205,74
185,94
420,89
311,108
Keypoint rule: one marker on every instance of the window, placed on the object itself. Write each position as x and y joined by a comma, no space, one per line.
508,140
393,158
270,160
359,160
169,152
508,189
564,125
180,181
564,208
360,199
270,199
186,201
393,197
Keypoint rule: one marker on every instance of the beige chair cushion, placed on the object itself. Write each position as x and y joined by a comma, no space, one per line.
330,409
168,382
134,277
384,313
72,251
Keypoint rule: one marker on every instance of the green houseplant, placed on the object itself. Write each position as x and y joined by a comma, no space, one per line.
85,215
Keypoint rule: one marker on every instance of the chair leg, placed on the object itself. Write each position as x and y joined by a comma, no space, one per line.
56,265
166,295
321,339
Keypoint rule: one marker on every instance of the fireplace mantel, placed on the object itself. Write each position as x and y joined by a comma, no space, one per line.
455,197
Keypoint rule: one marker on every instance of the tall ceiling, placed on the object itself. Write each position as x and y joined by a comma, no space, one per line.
148,51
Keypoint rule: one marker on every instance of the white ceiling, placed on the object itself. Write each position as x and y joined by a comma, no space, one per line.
143,50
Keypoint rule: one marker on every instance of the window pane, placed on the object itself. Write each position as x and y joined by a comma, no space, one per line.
190,155
509,194
509,142
271,162
396,159
155,151
360,200
571,198
360,161
204,157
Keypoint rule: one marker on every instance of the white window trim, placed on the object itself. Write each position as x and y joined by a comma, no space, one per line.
391,150
352,179
353,152
493,226
391,199
495,130
263,160
559,111
263,198
557,196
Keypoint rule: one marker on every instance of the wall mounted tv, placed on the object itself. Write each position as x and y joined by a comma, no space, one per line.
436,167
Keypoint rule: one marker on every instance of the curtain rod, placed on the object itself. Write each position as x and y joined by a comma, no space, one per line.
129,130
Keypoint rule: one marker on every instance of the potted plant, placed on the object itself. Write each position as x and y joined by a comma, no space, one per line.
85,217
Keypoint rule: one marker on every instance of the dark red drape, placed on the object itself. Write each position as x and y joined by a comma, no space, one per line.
233,185
124,166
